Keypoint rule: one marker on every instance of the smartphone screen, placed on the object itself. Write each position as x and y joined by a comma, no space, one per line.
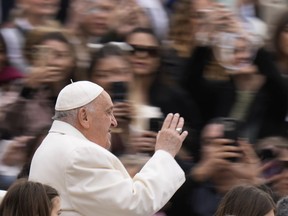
231,133
155,124
275,168
119,91
230,128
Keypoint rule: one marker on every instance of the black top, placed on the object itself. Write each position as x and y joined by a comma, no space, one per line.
215,98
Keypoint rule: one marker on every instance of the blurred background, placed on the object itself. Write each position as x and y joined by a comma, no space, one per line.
221,64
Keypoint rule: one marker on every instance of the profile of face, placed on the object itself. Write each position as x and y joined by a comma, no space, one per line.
56,206
284,40
96,19
100,120
111,69
57,56
42,7
145,54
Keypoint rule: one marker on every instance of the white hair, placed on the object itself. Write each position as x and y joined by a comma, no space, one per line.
70,116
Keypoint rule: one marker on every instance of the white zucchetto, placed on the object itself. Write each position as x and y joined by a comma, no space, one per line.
77,94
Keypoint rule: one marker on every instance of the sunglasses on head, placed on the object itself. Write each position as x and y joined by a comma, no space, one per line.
150,50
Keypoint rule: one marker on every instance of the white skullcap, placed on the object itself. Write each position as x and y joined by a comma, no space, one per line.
76,95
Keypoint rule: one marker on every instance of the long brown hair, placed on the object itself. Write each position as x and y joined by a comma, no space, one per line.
245,200
28,198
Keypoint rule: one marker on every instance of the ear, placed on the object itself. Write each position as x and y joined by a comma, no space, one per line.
83,118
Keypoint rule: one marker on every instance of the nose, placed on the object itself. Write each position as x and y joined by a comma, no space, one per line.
53,61
244,54
114,121
51,58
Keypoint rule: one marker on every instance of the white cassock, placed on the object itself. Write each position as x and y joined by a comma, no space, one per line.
93,182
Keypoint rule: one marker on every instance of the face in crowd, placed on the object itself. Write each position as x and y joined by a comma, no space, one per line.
233,50
145,54
111,69
242,52
59,57
47,8
96,19
223,176
55,56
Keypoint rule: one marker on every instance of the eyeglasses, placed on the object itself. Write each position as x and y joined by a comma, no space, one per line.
150,50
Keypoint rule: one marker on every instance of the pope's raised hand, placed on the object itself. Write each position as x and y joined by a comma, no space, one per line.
171,137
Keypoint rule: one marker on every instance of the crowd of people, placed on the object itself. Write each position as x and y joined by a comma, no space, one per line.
222,66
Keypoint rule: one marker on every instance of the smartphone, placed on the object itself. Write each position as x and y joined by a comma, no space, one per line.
230,128
119,91
231,132
276,168
155,124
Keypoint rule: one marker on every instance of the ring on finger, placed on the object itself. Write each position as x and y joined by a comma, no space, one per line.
179,130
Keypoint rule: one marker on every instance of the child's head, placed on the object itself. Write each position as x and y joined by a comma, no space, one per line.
30,198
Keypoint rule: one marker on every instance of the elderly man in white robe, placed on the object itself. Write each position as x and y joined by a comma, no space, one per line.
74,158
